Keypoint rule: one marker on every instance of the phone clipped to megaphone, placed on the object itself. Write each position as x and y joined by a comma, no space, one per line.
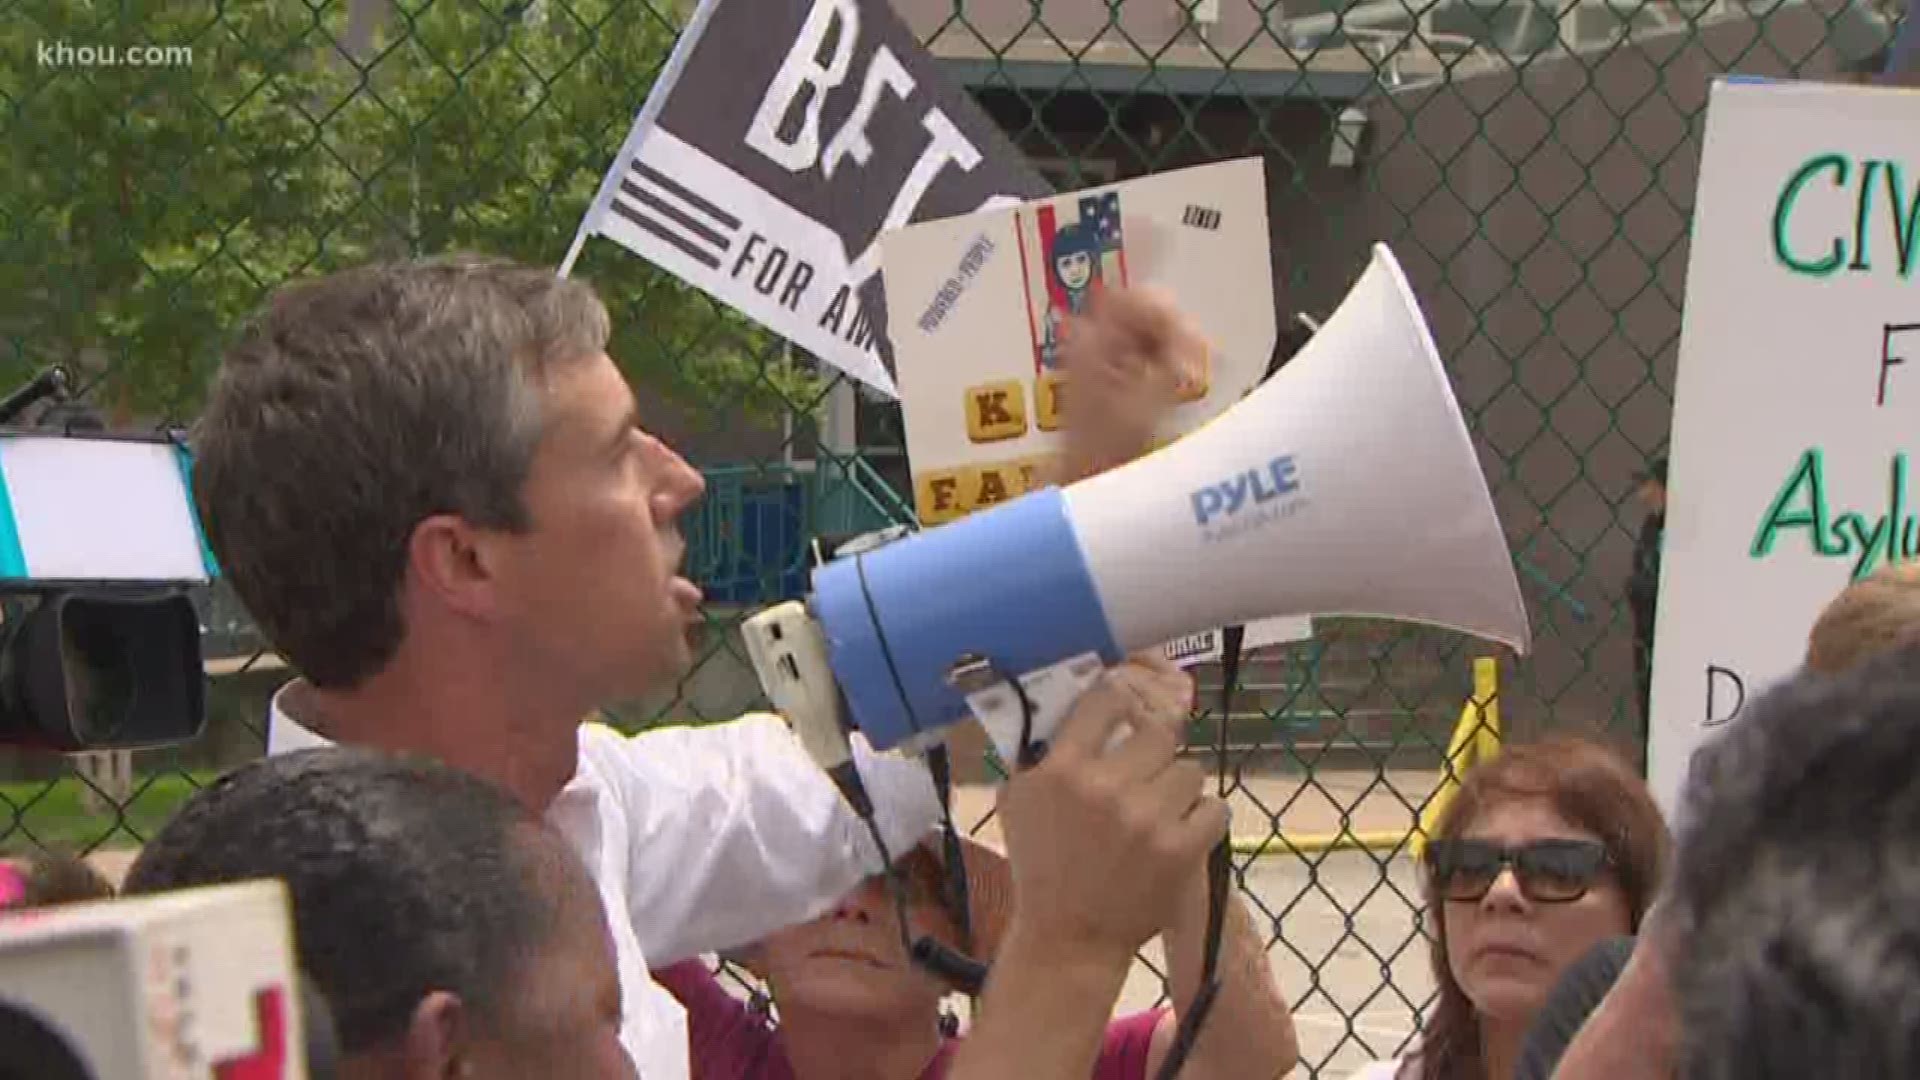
1345,485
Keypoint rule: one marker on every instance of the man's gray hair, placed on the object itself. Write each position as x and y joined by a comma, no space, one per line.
353,407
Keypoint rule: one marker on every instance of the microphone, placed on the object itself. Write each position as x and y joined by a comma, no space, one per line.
1579,992
51,382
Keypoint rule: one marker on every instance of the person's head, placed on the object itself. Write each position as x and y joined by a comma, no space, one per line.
850,963
440,454
1653,485
450,932
47,879
1876,613
1796,887
1075,253
1544,851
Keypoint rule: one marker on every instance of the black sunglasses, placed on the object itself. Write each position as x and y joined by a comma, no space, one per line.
1548,871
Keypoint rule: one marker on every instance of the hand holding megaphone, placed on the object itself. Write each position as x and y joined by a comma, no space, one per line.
1107,833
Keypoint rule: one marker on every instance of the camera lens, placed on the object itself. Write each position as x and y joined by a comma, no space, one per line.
100,658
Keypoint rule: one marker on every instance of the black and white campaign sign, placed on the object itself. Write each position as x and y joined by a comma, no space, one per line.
782,139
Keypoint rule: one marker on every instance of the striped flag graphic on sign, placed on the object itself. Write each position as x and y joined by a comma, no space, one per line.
654,202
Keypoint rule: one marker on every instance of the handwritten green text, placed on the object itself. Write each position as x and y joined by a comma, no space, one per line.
1853,251
1870,541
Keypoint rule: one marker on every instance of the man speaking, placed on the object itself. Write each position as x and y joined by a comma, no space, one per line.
435,493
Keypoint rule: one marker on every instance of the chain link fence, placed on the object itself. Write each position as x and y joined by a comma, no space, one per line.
1531,162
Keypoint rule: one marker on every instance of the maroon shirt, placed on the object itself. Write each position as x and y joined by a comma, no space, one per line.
728,1042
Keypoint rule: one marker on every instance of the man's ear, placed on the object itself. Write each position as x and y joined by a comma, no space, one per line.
450,560
438,1042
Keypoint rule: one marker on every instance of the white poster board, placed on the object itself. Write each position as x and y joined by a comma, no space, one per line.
196,984
1797,403
976,301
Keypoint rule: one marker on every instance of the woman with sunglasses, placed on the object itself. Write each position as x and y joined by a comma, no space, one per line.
1545,851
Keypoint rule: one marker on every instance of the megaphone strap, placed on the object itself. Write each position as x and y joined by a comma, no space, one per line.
1219,877
957,967
966,974
880,635
955,883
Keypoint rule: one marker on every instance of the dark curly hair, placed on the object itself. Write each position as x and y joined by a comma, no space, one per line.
1797,888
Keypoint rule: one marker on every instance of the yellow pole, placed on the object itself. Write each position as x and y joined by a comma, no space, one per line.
1476,738
1486,689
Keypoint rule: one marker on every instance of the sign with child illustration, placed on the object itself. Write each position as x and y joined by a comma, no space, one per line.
1797,403
978,304
1074,260
979,300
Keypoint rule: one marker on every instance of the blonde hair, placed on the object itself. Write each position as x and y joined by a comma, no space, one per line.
1869,616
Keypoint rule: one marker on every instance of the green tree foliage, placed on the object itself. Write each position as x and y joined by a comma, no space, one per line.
145,209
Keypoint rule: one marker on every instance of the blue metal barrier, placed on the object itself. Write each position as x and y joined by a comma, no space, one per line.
747,539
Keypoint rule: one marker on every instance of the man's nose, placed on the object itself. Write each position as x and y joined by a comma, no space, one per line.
681,483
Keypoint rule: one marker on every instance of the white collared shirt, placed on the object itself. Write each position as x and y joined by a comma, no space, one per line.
708,838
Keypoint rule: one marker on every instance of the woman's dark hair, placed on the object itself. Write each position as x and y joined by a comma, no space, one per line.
406,877
1593,789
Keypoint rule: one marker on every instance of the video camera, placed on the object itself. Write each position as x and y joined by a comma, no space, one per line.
99,549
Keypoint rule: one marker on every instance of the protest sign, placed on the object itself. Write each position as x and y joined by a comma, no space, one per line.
1797,402
782,139
978,302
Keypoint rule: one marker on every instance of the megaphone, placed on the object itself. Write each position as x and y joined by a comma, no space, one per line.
1344,485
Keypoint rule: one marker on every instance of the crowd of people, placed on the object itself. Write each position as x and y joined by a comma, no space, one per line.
483,550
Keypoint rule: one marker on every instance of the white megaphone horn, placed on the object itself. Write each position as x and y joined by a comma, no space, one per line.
1344,485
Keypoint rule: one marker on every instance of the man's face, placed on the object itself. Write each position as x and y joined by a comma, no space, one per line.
593,592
